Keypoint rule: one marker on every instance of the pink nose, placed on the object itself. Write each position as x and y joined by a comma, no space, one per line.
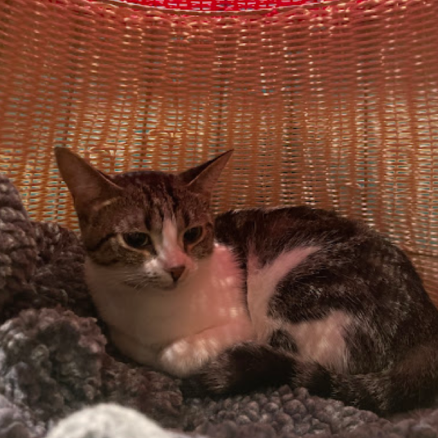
176,272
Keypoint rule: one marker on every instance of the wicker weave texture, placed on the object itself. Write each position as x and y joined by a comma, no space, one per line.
334,105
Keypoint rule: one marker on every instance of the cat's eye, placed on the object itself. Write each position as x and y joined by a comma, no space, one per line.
192,235
137,240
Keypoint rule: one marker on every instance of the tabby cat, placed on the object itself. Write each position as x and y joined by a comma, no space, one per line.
253,297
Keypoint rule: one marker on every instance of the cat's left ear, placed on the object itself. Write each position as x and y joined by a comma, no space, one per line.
202,179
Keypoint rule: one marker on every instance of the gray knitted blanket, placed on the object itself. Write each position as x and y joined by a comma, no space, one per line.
60,377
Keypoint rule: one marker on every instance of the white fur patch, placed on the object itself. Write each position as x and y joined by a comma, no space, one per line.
262,284
323,340
169,237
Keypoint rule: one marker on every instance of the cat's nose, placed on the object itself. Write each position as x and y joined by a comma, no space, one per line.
176,272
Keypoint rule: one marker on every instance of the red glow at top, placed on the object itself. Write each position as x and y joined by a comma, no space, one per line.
221,5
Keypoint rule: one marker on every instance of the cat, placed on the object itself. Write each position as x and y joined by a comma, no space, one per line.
254,297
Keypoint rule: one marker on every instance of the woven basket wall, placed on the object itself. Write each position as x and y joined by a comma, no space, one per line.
332,104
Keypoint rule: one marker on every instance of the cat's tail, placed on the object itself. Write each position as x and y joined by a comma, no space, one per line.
408,384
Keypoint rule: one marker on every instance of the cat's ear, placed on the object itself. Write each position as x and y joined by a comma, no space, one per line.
87,185
202,179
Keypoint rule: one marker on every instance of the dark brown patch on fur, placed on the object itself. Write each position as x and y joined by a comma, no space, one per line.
282,340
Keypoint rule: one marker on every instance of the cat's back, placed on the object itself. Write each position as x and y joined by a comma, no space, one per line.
269,231
341,246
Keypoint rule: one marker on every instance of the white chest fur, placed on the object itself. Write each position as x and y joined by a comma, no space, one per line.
180,329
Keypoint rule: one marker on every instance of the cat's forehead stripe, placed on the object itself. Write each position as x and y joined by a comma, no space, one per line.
170,234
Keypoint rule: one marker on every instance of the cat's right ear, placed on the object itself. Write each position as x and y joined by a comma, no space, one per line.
202,179
86,184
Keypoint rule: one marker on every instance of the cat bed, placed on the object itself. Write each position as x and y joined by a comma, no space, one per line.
54,362
331,103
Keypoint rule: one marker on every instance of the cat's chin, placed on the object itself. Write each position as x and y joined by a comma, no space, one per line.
168,288
155,288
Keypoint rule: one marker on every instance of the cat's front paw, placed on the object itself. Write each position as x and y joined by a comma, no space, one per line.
183,358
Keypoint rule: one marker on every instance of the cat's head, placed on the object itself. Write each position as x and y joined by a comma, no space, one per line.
148,229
